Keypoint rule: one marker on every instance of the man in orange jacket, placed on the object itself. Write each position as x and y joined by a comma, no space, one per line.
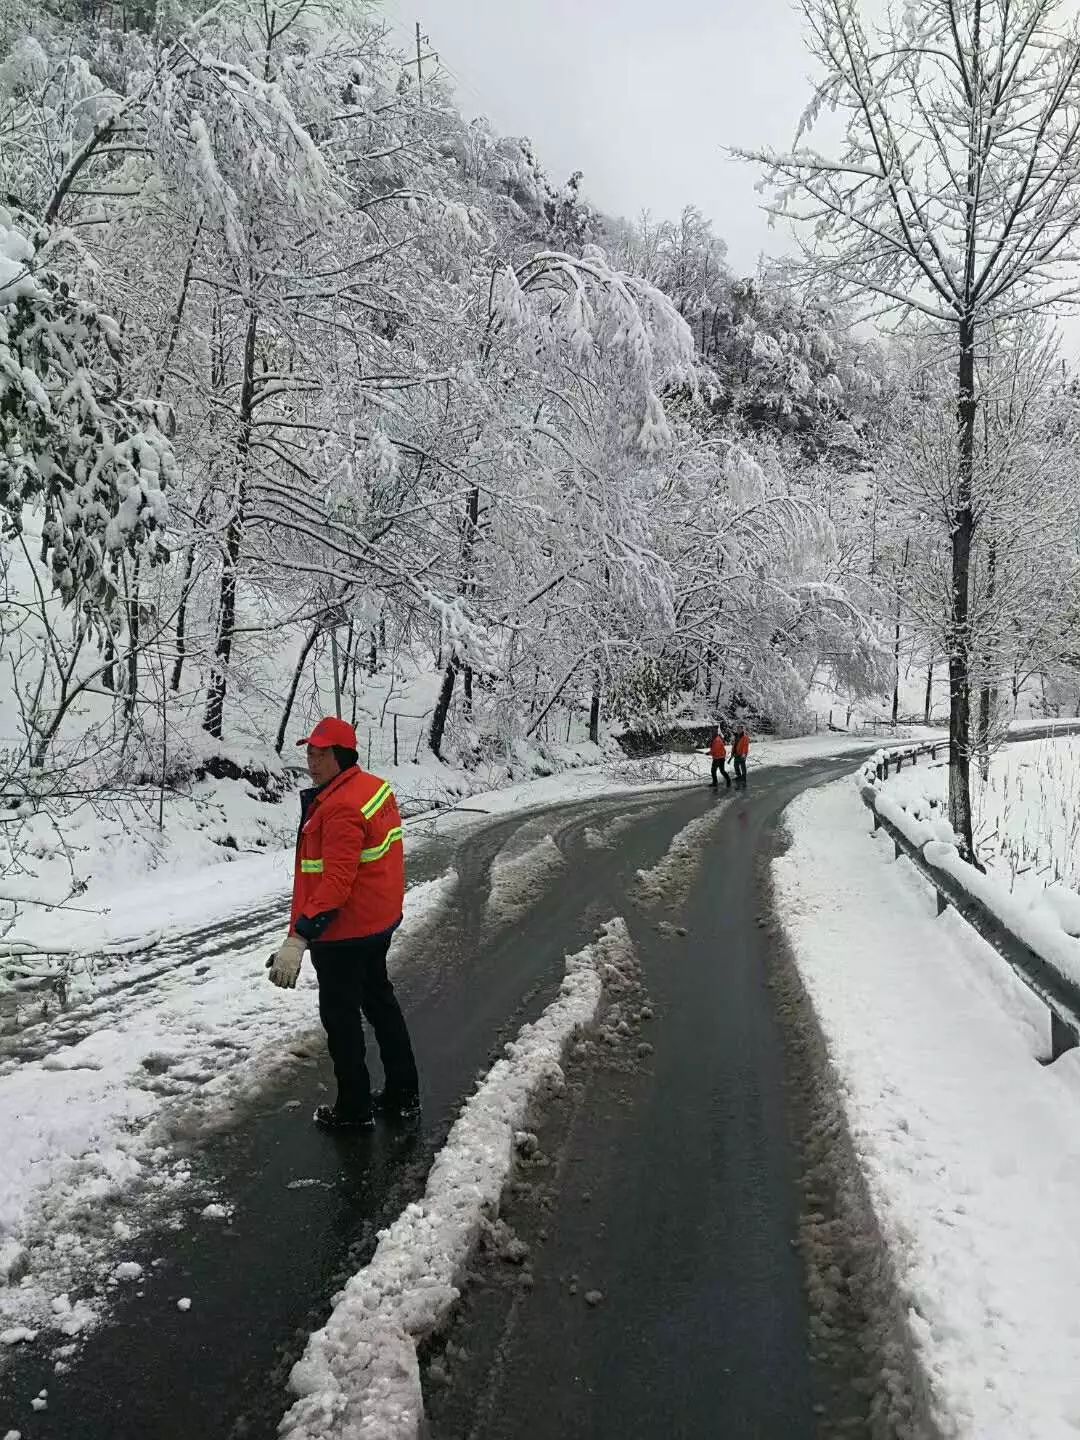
718,751
741,749
348,894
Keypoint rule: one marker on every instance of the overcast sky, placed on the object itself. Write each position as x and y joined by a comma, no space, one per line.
641,95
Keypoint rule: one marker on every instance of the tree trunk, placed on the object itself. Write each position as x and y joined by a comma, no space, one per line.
181,618
133,618
472,516
987,706
178,313
294,685
896,638
959,636
467,586
215,700
594,713
442,708
987,692
928,702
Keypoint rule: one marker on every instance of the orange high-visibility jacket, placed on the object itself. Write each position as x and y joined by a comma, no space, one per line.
742,745
718,750
350,860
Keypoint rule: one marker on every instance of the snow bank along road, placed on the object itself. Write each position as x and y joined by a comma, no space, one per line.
658,1289
970,1146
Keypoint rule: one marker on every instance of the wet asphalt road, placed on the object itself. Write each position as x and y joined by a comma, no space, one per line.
677,1203
690,1172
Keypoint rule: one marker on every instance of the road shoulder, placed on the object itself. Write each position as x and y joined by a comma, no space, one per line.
967,1146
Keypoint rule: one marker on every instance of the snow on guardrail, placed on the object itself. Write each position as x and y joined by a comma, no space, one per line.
1041,941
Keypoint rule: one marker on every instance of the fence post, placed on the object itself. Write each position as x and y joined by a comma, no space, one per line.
395,738
369,748
1062,1037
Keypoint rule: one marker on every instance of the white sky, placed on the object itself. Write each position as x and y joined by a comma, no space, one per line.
641,96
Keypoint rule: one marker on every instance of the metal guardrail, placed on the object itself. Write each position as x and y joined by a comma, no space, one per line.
1059,994
897,754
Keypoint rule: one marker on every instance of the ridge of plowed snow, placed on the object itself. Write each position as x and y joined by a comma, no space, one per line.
670,879
518,882
359,1374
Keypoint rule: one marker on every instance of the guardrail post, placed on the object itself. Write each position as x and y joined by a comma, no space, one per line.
1062,1036
899,763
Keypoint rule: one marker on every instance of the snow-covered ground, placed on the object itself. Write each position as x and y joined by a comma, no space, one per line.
1027,828
95,1116
970,1146
1026,812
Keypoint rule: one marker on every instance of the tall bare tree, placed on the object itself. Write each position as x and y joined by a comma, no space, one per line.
955,196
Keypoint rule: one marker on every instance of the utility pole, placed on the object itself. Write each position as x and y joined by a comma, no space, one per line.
421,41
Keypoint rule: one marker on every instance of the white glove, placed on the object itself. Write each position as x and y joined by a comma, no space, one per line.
284,964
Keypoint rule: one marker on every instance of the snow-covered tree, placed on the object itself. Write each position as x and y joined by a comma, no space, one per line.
955,196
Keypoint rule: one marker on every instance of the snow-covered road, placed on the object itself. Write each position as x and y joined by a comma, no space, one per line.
527,888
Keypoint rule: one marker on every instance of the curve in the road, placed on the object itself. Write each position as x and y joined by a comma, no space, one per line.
666,1293
306,1208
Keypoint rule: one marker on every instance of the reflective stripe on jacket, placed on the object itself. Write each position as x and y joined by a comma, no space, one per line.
350,859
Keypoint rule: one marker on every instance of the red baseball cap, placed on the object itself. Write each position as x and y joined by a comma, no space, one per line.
329,732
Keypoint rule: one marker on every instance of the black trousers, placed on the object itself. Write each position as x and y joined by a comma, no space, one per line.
354,986
721,765
740,767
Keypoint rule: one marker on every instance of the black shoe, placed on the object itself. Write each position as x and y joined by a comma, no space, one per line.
395,1107
329,1117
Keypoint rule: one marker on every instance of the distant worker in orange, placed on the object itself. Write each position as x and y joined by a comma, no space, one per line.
348,893
718,751
740,750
